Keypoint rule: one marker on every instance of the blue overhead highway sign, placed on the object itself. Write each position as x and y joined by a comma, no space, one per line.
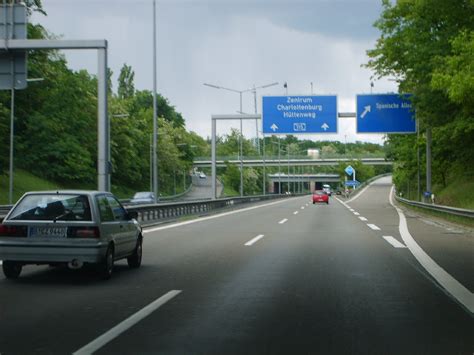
299,114
385,113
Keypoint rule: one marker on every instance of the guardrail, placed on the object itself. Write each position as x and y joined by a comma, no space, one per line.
439,208
126,201
4,209
150,214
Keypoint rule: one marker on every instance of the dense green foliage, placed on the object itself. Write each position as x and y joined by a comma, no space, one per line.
56,128
428,46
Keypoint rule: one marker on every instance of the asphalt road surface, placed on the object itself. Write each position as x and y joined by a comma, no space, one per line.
202,189
280,277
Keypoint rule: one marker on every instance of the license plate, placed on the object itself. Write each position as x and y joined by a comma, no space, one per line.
48,232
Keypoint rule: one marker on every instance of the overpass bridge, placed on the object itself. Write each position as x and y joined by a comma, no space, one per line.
272,161
300,183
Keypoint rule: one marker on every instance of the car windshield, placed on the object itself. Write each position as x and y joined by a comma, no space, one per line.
143,195
40,207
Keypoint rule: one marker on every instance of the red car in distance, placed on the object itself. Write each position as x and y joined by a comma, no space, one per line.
320,196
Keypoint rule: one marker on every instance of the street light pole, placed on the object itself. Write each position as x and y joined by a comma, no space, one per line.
12,127
155,123
241,158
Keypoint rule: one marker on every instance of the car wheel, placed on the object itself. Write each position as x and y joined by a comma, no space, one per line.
327,202
106,267
135,260
314,202
11,269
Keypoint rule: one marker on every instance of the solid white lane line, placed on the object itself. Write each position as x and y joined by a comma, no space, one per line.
197,220
373,226
283,221
356,213
449,283
395,243
296,212
363,219
342,202
254,240
126,324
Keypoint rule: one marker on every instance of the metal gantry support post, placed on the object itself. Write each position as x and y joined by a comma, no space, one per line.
103,158
279,167
213,159
264,167
103,123
288,153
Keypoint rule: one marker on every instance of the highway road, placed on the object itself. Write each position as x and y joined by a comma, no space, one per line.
202,189
280,277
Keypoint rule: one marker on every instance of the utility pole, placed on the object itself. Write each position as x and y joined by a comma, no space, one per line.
155,123
428,159
418,160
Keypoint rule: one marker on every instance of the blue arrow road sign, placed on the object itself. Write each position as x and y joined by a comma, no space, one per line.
352,183
349,170
299,114
385,113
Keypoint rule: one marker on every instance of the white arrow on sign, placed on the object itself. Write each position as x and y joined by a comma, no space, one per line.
325,126
274,127
367,109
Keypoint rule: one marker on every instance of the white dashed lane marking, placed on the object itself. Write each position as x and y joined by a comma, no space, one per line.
395,243
363,219
283,221
254,240
373,226
126,324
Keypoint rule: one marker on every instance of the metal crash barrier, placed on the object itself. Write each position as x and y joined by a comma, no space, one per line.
150,214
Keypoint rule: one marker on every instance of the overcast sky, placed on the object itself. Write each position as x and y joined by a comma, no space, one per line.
230,43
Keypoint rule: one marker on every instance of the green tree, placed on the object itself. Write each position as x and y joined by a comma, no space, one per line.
126,87
427,46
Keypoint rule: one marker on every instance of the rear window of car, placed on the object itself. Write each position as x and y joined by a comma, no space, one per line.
319,193
45,207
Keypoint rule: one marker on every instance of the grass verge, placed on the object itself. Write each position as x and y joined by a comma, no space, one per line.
23,182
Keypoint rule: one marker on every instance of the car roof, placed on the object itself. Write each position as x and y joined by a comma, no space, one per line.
68,192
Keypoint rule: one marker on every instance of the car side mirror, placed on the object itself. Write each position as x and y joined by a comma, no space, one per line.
132,214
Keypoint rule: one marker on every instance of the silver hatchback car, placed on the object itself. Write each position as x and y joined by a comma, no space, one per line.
69,227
